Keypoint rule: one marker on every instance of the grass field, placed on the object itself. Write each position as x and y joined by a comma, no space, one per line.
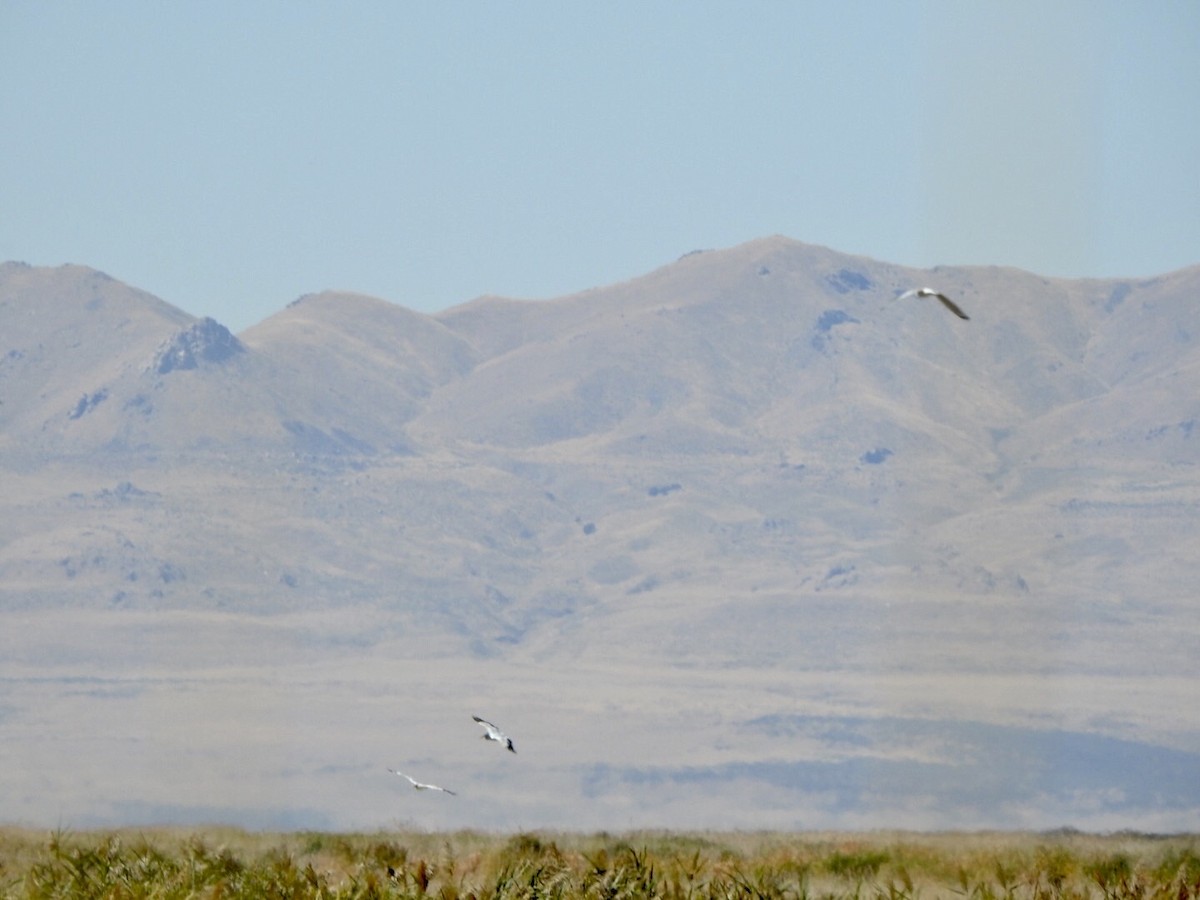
215,862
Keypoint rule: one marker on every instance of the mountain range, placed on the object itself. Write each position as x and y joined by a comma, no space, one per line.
743,542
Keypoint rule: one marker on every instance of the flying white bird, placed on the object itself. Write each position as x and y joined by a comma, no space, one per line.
930,292
494,734
422,786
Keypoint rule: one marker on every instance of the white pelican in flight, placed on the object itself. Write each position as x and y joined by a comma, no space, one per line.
930,292
492,733
422,786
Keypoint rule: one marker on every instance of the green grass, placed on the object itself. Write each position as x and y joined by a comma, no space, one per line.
213,863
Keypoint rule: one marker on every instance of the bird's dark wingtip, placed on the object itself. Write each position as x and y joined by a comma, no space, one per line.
952,306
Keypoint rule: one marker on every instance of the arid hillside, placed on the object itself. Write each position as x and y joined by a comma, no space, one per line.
743,542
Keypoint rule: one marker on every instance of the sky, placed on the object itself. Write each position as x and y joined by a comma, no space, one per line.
229,157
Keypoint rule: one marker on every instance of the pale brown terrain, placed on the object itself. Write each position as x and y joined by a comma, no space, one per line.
741,543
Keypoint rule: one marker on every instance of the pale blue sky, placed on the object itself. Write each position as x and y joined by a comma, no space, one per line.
229,157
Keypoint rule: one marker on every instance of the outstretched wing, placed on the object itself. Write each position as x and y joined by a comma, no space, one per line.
492,731
952,306
425,786
407,778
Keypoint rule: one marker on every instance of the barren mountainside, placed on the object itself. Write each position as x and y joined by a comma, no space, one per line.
786,499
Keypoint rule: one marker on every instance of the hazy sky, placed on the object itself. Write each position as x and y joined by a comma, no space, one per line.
230,156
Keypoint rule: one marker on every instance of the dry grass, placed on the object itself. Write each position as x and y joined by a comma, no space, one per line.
214,862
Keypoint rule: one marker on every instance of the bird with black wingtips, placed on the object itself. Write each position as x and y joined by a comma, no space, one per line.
421,785
930,292
492,733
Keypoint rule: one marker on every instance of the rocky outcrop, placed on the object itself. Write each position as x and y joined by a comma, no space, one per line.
204,341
